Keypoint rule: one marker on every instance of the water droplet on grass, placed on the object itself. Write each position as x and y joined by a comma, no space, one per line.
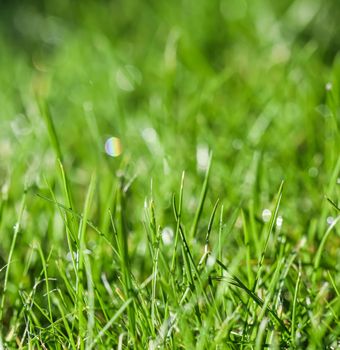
71,255
279,221
167,235
266,215
328,86
281,239
113,147
330,220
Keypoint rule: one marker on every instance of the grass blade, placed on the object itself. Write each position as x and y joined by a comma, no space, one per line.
201,200
11,251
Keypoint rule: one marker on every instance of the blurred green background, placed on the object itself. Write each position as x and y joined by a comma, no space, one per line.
172,79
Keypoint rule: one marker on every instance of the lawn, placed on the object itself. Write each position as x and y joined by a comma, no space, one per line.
170,174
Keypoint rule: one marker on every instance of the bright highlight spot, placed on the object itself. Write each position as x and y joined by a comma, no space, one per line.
279,221
211,261
113,147
202,157
149,135
167,235
266,215
152,140
330,220
328,86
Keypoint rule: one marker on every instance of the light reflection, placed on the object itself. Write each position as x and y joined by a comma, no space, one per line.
167,235
330,220
202,157
279,221
328,86
266,215
113,147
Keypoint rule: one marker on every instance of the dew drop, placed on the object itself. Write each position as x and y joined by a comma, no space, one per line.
330,220
328,86
167,235
266,215
281,239
279,221
298,334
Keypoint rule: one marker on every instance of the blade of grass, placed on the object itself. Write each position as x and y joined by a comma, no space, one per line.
91,302
207,237
261,259
238,283
320,250
122,241
111,322
333,204
81,306
154,280
333,284
16,230
269,232
294,310
80,216
46,114
178,223
44,265
69,332
247,244
201,200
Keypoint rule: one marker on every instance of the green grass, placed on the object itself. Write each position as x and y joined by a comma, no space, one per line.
218,225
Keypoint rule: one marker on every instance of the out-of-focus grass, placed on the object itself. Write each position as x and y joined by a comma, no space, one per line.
255,83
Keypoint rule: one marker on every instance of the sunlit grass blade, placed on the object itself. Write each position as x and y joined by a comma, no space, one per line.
16,230
207,237
80,217
269,232
294,310
238,283
247,244
110,323
333,204
81,306
201,201
319,252
46,114
178,222
122,241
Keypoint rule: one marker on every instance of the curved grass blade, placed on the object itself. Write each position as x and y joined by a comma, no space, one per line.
235,281
201,200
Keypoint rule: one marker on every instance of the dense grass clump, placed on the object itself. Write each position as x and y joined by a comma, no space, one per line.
216,225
